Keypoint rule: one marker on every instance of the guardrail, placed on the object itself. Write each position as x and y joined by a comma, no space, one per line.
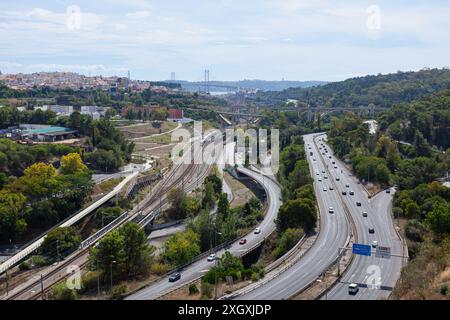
35,244
99,234
166,225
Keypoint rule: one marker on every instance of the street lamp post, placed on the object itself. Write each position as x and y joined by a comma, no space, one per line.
215,264
111,273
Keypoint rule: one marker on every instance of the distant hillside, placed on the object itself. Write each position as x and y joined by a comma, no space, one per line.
380,90
260,85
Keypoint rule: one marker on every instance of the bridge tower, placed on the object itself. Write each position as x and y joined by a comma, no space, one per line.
207,81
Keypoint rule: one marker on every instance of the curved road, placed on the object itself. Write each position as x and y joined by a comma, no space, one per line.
197,269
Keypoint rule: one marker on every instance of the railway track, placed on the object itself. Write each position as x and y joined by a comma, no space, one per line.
166,186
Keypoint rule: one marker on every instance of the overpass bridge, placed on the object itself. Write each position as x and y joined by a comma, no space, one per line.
311,113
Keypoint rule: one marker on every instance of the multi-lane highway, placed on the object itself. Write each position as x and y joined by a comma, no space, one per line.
363,270
198,269
334,232
375,276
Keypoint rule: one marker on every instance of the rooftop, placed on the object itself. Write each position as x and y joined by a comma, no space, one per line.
47,130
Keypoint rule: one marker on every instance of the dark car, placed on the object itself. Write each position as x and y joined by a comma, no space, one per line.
243,241
358,204
174,277
344,193
371,230
364,214
388,190
352,193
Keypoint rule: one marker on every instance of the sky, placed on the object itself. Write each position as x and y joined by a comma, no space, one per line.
326,40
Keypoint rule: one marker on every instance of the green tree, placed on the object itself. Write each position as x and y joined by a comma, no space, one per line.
208,198
204,227
176,199
216,182
182,248
287,241
106,215
59,243
108,254
72,163
223,207
137,252
439,220
12,215
190,206
412,210
300,176
60,291
298,213
421,145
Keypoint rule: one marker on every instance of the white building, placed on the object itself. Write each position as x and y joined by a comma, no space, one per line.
59,110
89,109
95,115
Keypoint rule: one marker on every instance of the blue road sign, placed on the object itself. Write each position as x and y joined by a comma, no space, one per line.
362,249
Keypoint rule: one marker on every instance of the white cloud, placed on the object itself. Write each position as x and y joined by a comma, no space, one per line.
267,38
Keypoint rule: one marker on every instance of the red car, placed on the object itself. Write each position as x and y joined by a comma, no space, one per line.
243,241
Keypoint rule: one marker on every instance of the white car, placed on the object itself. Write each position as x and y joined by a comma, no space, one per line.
374,244
211,257
353,288
257,231
320,179
324,188
331,210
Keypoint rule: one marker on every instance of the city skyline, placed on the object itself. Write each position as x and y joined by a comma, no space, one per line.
268,40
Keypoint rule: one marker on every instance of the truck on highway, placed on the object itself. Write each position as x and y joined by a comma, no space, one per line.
353,288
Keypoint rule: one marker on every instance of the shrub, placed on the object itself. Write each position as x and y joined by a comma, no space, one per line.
415,231
207,290
39,261
89,281
119,292
158,268
193,289
247,274
397,212
255,277
212,275
24,266
61,292
444,289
